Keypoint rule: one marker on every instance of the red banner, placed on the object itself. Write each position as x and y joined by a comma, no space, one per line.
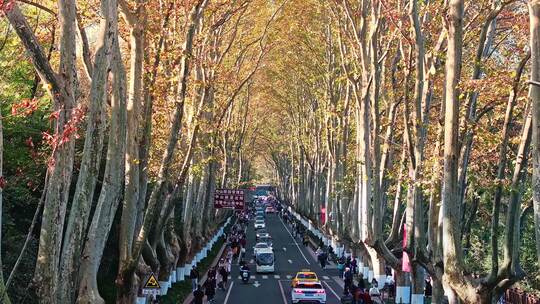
229,198
405,262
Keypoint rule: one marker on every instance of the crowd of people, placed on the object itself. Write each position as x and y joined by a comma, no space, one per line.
217,277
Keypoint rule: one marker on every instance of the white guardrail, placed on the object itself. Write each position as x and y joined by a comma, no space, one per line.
402,292
180,273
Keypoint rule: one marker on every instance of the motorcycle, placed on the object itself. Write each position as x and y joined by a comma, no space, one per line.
245,276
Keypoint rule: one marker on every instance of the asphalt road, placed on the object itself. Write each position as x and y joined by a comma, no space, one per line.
274,288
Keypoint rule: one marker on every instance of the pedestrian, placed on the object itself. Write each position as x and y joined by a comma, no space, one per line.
243,241
341,266
228,265
212,273
235,251
198,295
306,240
194,276
210,289
321,257
391,286
362,297
361,282
348,279
374,293
224,276
354,265
428,290
229,255
324,258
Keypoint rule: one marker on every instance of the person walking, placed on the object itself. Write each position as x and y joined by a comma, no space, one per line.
428,289
348,278
354,265
341,266
321,257
212,273
224,276
210,289
194,276
374,293
198,295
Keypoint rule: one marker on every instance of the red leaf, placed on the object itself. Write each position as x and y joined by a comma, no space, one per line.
2,182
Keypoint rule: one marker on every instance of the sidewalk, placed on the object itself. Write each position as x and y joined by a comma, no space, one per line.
189,299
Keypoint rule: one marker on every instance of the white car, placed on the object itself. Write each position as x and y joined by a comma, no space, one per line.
260,225
306,291
260,246
261,234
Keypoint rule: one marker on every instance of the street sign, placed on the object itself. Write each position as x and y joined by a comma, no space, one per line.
151,287
229,198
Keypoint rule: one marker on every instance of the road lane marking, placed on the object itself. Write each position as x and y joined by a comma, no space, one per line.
283,293
290,262
228,292
239,277
326,278
265,277
297,246
339,281
276,276
289,276
332,290
285,249
256,284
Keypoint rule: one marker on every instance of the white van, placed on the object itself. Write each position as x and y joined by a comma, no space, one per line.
264,260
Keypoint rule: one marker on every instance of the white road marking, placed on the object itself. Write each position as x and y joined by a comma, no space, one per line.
265,277
256,284
289,276
290,262
332,290
339,281
239,277
326,277
276,276
295,241
228,292
284,248
283,293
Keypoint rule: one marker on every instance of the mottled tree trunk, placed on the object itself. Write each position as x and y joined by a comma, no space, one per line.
62,88
534,17
4,297
133,184
83,199
126,272
111,189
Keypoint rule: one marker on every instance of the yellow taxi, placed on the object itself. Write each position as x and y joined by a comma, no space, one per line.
305,275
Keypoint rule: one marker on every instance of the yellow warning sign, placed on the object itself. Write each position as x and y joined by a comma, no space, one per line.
152,282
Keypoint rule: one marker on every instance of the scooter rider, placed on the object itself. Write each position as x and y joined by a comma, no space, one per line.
244,269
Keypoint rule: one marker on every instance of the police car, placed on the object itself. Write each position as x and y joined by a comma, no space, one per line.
308,291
